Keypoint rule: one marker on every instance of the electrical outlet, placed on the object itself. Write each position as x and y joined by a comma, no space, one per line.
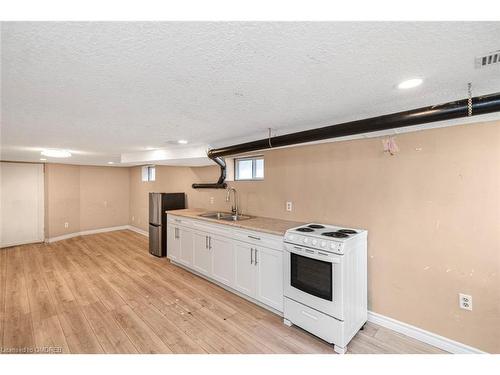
289,206
212,200
66,225
465,301
133,218
105,204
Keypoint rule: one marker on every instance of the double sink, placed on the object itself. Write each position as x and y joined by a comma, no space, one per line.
226,216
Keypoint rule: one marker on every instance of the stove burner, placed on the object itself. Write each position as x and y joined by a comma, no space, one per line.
335,234
347,231
304,229
316,226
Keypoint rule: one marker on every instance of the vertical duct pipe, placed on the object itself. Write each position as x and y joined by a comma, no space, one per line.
220,184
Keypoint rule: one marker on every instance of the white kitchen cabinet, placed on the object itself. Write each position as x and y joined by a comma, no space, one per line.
244,275
259,274
202,256
186,246
269,277
222,250
246,261
173,243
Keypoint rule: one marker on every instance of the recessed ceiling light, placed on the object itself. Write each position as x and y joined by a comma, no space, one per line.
410,83
182,141
111,162
56,153
43,159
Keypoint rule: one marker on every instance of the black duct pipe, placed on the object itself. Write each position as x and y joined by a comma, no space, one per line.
220,184
447,111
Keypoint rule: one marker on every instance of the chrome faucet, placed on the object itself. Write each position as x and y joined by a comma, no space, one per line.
234,209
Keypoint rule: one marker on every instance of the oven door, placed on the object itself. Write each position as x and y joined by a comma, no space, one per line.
313,278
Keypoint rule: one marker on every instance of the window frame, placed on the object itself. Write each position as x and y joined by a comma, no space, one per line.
254,168
151,173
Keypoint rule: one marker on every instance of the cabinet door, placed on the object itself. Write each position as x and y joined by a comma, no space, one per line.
202,257
186,246
244,269
222,250
269,277
173,243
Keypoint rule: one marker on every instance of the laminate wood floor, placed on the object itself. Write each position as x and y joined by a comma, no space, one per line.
104,293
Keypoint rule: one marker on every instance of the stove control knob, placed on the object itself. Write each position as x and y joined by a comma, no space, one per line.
332,246
305,240
314,242
323,243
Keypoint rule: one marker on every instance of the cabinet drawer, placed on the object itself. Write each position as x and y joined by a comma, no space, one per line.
175,220
319,324
259,239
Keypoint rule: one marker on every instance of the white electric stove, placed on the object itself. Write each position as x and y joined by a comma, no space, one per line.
325,285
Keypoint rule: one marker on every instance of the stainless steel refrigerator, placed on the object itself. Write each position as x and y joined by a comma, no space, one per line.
158,204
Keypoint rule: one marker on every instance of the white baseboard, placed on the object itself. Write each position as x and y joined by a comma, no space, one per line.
419,334
138,230
86,232
19,243
95,231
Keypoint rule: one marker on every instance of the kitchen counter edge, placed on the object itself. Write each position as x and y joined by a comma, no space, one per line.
267,225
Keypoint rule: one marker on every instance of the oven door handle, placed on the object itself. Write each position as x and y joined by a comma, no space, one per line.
303,252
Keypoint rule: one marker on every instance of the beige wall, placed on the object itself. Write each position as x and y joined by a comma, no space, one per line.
85,197
62,191
432,212
169,180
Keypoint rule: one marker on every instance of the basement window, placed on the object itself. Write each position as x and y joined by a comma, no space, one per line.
249,168
148,173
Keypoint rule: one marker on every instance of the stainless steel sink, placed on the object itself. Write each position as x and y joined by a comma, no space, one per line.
228,216
216,215
235,218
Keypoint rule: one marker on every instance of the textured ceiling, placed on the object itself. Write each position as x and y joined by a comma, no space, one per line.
102,89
